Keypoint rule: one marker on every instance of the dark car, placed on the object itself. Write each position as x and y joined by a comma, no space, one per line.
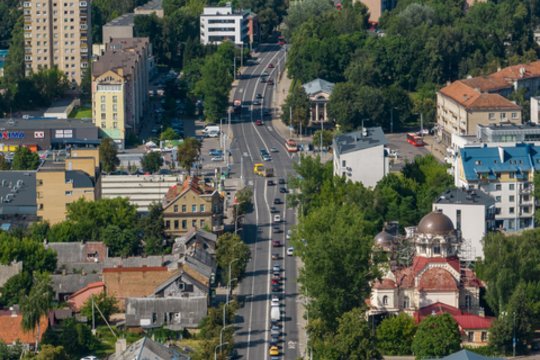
270,82
283,190
282,181
273,210
275,256
277,229
271,183
276,243
256,102
270,66
258,96
277,201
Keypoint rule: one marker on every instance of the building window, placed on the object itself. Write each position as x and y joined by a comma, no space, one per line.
491,116
503,116
458,219
115,125
497,198
69,193
498,187
514,115
511,210
497,211
406,302
184,208
103,116
176,224
102,98
343,163
484,336
103,108
115,99
167,224
115,108
175,208
115,116
103,125
194,223
385,300
201,208
436,247
40,207
511,187
423,249
468,301
193,208
184,224
470,336
511,198
202,223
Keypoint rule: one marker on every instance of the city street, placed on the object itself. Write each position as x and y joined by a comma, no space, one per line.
253,322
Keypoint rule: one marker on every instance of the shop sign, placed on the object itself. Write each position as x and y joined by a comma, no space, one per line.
39,134
4,135
63,134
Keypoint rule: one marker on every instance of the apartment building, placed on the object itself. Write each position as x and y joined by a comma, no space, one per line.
63,181
377,7
192,205
223,23
461,108
506,174
120,87
57,33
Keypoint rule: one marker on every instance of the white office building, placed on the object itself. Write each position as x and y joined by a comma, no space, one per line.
359,156
473,214
222,23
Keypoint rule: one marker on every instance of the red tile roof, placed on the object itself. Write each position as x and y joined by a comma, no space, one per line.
471,321
466,321
437,279
190,183
11,329
93,285
384,284
405,278
420,262
472,99
437,308
121,269
487,83
515,72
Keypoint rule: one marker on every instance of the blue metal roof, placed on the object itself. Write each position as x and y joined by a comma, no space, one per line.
489,161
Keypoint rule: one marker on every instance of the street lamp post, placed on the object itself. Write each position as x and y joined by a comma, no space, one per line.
217,347
236,223
514,336
229,283
221,333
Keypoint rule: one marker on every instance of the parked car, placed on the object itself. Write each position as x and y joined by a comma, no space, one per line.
283,190
273,351
215,152
273,210
258,96
276,243
290,251
277,229
256,102
274,150
275,301
289,234
277,201
259,123
270,183
217,158
276,268
270,66
282,181
275,281
270,82
277,218
267,157
275,256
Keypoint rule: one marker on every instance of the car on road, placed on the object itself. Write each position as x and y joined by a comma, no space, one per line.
276,256
275,281
259,123
289,234
270,66
275,332
277,218
277,201
265,73
277,229
276,243
256,102
275,301
276,276
215,152
283,190
270,183
270,82
274,150
276,288
422,132
217,158
258,96
273,351
267,158
263,79
290,251
273,210
276,268
282,181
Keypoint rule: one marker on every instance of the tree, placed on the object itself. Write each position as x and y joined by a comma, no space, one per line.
4,164
297,103
153,228
24,159
37,304
326,136
437,336
395,335
231,248
121,242
354,339
49,352
32,253
188,152
302,12
15,288
152,161
108,305
14,67
12,352
169,134
108,155
244,198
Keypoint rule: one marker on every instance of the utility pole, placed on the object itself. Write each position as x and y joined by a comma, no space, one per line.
234,68
242,56
93,318
514,336
392,120
290,121
422,124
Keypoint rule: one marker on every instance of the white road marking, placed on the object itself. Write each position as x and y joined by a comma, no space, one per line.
245,154
291,345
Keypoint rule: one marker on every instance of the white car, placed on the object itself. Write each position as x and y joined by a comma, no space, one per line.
217,158
275,301
289,234
277,218
290,251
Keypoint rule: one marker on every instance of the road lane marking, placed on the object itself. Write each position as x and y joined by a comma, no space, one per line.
253,277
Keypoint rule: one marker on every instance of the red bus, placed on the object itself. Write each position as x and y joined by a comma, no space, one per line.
281,40
291,145
415,140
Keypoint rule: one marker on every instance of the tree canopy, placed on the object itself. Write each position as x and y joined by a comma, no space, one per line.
437,336
188,152
108,155
395,335
24,159
230,248
151,162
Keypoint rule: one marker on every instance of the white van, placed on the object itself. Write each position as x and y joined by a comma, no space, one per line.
211,129
275,314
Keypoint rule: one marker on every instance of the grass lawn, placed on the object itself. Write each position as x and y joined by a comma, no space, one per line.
81,113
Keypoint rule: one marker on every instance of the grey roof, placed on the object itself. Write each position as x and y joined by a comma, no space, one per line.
79,178
140,261
60,106
76,252
358,140
152,5
69,283
318,85
191,309
195,238
146,349
122,20
44,123
22,187
468,355
7,271
463,196
202,261
184,277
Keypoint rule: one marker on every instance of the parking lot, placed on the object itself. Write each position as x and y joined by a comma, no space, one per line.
406,152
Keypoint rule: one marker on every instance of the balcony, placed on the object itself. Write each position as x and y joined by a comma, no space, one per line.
525,190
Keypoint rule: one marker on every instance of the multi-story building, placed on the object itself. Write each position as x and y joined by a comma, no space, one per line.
506,174
460,108
223,23
120,87
119,28
151,7
190,205
61,182
473,214
57,33
377,7
360,156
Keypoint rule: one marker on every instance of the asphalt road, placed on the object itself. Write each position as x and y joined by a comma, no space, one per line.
253,322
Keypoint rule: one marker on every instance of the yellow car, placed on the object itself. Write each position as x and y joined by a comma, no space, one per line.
274,351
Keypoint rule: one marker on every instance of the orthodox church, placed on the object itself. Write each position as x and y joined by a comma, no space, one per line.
424,276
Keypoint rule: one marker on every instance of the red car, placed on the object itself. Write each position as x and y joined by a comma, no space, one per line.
275,281
270,82
259,122
276,243
270,66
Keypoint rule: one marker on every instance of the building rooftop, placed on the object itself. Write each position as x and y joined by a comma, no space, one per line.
147,348
120,53
473,99
318,85
123,20
43,123
79,178
468,355
463,196
223,11
482,162
359,140
151,5
11,328
18,192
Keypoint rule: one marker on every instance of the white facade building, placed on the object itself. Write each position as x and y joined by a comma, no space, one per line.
359,156
221,23
473,214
